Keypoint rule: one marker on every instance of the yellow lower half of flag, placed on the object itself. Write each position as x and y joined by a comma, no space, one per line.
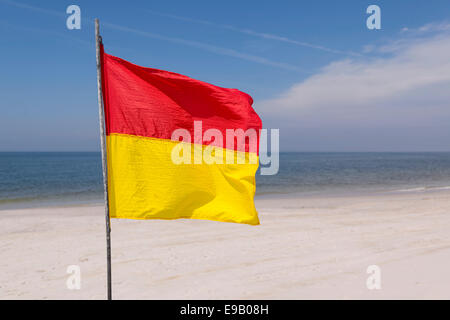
145,183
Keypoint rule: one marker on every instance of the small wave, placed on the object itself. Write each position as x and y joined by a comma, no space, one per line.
18,200
417,189
81,197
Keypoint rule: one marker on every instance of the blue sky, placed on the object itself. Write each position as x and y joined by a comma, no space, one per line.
313,68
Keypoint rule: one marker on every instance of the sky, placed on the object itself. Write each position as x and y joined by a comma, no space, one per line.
314,69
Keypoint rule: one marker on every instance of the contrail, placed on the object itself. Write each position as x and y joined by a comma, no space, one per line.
48,32
256,34
196,44
207,47
33,8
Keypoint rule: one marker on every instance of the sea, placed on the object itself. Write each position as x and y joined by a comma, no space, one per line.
30,179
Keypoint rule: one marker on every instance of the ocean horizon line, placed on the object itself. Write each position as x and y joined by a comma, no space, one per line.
77,176
289,151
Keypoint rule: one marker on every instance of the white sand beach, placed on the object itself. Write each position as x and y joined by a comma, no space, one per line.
305,248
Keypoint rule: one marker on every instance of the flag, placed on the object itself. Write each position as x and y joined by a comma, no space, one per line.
206,172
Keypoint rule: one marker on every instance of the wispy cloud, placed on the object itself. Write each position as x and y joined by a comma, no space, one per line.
253,33
429,27
33,8
409,36
8,25
206,47
396,102
190,43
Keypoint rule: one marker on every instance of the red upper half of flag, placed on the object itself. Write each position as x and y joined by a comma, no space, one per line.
154,103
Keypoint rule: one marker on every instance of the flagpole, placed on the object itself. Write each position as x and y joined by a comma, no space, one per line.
98,41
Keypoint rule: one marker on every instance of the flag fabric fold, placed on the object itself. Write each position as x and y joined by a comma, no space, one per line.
143,108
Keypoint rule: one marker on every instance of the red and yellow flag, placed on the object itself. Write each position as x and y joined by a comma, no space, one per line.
143,109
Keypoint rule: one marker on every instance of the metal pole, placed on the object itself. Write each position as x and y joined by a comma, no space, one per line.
101,114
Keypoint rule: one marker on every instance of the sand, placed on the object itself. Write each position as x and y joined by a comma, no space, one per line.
305,248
